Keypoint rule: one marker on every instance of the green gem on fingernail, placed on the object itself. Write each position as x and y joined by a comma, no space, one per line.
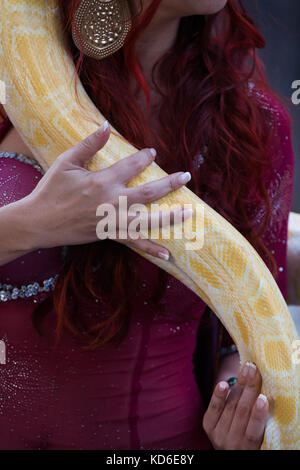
231,381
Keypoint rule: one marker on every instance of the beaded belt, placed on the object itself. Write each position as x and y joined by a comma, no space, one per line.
8,291
22,158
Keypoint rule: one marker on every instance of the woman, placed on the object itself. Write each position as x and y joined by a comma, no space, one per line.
106,362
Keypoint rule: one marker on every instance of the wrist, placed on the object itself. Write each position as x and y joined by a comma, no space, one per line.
22,235
31,224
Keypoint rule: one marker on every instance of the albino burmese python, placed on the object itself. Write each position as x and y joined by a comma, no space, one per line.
226,272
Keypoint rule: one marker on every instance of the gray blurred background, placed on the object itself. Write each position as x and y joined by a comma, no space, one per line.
279,21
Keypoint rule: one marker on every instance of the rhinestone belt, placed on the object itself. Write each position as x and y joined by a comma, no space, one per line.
22,158
9,292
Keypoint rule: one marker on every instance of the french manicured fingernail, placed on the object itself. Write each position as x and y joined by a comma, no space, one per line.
252,369
185,178
103,127
245,370
223,386
261,401
164,256
153,152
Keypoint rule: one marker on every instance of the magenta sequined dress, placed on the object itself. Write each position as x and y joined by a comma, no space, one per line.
139,395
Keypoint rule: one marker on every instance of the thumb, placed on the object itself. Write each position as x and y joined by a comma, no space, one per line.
82,152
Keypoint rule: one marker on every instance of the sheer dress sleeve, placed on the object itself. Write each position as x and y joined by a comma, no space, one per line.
279,184
280,189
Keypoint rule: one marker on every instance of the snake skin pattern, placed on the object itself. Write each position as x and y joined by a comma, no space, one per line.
226,272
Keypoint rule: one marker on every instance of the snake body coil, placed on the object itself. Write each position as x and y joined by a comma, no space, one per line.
226,272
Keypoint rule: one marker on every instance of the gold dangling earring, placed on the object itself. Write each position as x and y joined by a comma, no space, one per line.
101,27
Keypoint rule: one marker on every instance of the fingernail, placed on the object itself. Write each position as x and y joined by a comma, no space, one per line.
153,152
103,127
222,386
252,369
261,401
185,178
164,256
245,370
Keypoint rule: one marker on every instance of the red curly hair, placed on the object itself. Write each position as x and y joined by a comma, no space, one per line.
206,82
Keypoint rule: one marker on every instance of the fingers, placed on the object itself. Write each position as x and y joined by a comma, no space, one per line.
149,247
216,407
161,219
255,430
141,226
146,245
237,420
250,380
156,190
225,420
82,152
128,168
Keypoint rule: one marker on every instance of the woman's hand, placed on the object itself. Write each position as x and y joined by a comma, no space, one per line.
236,421
63,205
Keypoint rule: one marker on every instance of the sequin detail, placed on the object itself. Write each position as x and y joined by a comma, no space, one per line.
230,350
200,158
9,292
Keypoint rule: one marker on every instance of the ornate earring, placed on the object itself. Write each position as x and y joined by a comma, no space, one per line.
101,27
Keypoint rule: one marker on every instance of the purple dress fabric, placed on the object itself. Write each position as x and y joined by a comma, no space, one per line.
139,395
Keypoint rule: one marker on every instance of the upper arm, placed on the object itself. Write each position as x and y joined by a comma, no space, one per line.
280,188
279,185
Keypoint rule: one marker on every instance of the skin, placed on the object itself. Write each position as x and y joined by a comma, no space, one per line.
236,420
62,210
161,33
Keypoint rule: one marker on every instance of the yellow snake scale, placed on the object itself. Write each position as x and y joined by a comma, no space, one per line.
226,272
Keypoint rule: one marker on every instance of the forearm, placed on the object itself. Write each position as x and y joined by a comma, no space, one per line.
15,233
